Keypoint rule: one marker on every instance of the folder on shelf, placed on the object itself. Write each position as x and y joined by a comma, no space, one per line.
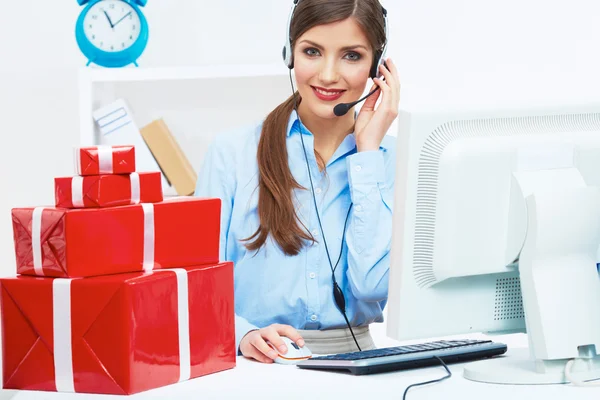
171,159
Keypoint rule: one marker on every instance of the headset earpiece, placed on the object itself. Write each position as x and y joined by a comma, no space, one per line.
287,53
378,61
289,63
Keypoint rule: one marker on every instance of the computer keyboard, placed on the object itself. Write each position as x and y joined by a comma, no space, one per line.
406,357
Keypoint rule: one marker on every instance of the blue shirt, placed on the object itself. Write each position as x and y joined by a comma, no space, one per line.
271,287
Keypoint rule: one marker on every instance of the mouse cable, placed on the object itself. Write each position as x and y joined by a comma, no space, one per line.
338,295
448,375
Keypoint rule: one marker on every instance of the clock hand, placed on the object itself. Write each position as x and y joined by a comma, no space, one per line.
124,16
109,21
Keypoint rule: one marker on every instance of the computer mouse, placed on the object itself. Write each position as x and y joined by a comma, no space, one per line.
295,353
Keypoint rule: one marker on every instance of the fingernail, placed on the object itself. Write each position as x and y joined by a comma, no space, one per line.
272,354
301,343
283,348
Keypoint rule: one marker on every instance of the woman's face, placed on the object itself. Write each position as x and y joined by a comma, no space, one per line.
331,64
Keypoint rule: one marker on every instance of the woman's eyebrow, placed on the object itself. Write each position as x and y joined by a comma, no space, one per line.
345,48
310,42
354,47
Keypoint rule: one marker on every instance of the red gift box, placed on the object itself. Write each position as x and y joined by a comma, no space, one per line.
99,160
117,334
62,242
108,190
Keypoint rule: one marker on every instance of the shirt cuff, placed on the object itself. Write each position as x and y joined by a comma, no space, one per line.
366,167
242,327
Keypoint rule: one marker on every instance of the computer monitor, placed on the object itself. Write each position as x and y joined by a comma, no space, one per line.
497,229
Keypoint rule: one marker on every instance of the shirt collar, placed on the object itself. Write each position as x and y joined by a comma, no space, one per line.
293,126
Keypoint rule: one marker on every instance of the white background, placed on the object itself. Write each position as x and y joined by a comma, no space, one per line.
520,49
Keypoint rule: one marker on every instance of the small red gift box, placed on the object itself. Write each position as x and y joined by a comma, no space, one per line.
108,190
117,334
62,242
100,160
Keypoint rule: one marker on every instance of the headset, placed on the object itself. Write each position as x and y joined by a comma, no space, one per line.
379,59
339,110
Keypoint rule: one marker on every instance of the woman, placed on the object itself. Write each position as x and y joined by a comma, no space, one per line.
286,230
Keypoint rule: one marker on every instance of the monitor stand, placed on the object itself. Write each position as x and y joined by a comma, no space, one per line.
559,283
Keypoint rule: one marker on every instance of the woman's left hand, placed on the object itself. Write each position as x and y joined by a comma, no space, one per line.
372,124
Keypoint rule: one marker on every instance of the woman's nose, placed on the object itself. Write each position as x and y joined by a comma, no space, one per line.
329,72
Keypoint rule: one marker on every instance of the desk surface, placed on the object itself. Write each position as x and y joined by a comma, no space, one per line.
252,380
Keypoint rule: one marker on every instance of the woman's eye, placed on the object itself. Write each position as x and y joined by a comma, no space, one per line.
311,52
352,56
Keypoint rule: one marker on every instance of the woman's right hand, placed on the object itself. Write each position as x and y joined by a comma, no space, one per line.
254,344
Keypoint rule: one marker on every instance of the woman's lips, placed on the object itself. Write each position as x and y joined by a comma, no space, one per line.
327,94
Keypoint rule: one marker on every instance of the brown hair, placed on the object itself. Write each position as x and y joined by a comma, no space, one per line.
276,182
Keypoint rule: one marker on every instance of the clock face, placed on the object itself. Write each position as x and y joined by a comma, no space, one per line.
112,25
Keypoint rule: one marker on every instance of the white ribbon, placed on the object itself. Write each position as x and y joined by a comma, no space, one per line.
148,236
134,180
77,191
105,159
183,324
77,158
63,351
36,240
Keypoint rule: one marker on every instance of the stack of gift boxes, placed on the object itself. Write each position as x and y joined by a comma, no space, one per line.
117,290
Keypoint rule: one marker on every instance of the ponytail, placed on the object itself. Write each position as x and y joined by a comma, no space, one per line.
276,183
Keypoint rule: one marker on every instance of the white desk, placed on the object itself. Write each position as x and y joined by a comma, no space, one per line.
252,380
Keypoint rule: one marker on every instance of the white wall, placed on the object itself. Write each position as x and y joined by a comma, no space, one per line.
536,48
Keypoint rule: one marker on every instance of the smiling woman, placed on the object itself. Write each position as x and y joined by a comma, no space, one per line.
305,178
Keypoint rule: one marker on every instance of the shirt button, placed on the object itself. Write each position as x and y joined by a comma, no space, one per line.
315,232
313,317
318,190
359,208
358,168
312,275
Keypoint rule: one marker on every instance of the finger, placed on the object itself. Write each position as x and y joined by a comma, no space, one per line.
272,336
371,101
385,70
254,353
259,343
384,88
389,78
396,86
391,66
387,106
290,332
392,81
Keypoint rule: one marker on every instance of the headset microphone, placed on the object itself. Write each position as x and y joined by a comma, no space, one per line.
343,108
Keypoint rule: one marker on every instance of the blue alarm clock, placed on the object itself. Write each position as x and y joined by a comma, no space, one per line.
112,33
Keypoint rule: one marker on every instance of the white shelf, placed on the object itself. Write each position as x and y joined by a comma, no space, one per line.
196,102
132,74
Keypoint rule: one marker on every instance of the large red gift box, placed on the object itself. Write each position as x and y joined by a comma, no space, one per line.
101,160
117,334
62,242
108,190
